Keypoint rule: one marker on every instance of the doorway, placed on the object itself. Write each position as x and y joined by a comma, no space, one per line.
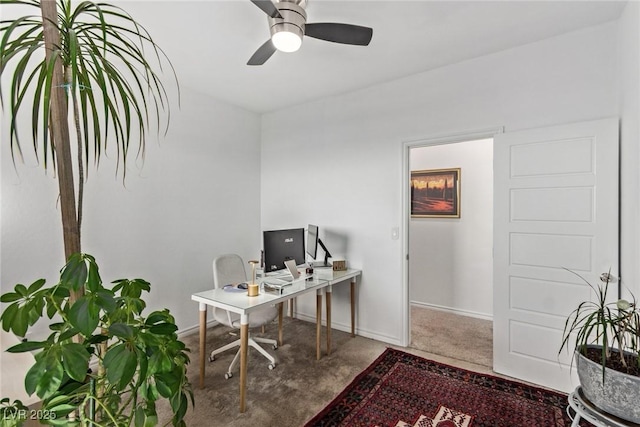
449,266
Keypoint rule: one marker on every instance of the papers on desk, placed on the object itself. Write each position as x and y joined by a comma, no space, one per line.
277,281
275,286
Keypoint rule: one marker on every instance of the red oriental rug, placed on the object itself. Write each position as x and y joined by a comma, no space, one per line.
403,390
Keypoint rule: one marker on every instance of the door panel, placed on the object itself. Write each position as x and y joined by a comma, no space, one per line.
555,208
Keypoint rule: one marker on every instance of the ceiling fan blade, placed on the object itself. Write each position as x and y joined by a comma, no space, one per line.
339,33
268,7
263,53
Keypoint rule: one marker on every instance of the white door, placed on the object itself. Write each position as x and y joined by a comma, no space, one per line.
555,207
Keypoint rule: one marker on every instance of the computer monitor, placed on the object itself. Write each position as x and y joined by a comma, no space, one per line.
281,246
313,240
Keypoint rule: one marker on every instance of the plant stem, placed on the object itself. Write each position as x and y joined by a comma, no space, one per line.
60,126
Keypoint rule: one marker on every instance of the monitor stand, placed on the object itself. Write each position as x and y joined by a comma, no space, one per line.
327,255
322,264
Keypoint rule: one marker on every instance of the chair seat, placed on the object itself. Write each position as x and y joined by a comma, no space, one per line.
256,319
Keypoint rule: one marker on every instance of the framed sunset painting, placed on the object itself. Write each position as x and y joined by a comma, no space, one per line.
435,193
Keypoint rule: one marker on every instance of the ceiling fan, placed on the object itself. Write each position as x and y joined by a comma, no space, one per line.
288,23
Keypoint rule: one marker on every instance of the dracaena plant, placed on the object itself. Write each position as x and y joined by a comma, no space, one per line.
104,363
94,61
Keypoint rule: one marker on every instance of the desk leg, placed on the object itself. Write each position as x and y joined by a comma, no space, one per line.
328,303
244,344
280,315
203,339
318,321
353,307
291,303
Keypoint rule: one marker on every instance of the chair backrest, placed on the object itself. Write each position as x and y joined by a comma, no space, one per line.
228,268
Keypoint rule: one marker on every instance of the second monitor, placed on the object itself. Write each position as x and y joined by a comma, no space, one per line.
313,240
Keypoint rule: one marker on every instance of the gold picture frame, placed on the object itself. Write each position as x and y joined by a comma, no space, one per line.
435,193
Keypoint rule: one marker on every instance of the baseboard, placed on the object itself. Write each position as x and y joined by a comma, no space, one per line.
182,333
458,311
359,331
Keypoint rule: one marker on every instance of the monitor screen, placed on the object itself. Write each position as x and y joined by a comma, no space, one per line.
312,241
283,245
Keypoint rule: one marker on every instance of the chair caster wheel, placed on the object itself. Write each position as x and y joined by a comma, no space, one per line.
275,346
228,375
212,358
272,366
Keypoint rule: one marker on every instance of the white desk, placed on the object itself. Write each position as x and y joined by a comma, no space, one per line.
242,304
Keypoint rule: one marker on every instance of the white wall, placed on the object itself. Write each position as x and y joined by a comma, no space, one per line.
197,196
342,155
450,259
342,158
629,89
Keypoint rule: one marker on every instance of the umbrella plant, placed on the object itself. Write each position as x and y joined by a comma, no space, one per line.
123,363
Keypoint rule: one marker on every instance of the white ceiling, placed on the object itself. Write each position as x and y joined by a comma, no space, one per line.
209,42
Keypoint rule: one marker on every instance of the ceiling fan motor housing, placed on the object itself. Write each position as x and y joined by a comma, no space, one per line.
293,18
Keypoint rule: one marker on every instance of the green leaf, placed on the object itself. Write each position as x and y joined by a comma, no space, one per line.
163,389
21,321
151,421
83,317
143,363
27,346
120,364
155,363
96,339
155,317
140,416
75,359
106,300
163,329
94,282
45,376
74,273
63,410
69,333
10,297
121,330
8,317
22,290
36,286
179,404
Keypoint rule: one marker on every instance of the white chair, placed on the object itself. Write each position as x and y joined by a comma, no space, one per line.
230,269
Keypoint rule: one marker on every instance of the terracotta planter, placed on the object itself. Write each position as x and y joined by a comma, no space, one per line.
618,395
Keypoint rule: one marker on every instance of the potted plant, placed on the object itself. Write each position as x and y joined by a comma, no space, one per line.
93,61
104,362
606,349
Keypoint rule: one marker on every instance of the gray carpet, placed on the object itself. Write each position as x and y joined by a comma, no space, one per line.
295,391
448,334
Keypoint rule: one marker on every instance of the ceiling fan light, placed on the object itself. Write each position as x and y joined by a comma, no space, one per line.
286,41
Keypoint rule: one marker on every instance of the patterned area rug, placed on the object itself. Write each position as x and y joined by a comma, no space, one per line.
403,390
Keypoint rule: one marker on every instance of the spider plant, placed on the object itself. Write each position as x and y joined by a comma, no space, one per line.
606,324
